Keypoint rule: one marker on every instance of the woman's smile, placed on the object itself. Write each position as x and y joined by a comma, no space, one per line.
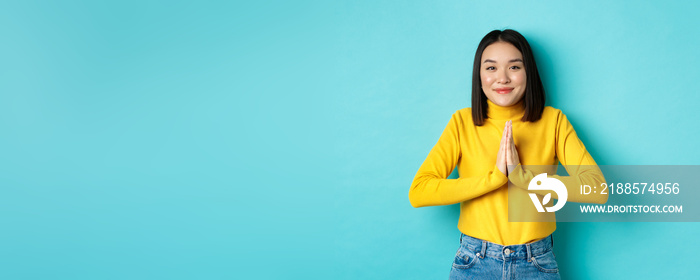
503,90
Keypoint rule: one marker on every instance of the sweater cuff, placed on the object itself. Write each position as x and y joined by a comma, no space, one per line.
497,177
519,177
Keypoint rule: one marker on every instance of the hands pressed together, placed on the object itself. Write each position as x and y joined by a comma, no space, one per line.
507,158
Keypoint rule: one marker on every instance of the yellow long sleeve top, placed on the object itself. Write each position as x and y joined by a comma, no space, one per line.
482,189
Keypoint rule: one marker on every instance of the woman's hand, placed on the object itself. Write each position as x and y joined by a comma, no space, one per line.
512,158
501,161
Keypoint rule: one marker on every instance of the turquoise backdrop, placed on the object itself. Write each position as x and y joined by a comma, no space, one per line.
279,139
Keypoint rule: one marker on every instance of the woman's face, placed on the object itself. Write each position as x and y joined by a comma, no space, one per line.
502,74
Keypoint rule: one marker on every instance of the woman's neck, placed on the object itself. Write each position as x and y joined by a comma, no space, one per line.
513,112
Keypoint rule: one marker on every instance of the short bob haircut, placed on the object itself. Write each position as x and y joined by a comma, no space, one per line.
534,91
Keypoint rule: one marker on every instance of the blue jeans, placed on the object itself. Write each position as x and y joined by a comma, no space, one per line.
479,259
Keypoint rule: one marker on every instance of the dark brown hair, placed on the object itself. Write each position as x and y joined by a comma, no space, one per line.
534,91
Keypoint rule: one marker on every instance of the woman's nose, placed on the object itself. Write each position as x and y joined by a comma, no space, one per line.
503,77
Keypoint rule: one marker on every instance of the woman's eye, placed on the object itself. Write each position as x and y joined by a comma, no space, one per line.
490,68
515,67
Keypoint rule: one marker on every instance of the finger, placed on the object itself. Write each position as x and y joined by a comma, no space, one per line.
504,137
510,131
513,153
512,140
507,143
508,138
510,134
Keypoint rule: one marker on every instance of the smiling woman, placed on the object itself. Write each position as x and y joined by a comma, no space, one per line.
506,127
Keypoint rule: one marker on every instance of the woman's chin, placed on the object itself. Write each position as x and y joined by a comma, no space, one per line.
503,101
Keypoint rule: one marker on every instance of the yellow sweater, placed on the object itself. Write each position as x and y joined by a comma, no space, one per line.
482,189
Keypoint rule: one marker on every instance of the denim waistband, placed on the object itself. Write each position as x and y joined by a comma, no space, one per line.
518,251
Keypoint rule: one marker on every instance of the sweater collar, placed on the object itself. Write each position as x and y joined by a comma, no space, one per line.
513,112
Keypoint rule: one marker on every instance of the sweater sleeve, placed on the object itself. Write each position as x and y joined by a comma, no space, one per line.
576,160
430,186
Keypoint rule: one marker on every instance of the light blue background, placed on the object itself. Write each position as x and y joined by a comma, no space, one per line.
278,140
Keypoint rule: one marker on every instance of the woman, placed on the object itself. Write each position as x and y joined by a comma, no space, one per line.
507,126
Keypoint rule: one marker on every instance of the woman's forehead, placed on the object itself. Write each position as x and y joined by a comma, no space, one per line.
501,52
